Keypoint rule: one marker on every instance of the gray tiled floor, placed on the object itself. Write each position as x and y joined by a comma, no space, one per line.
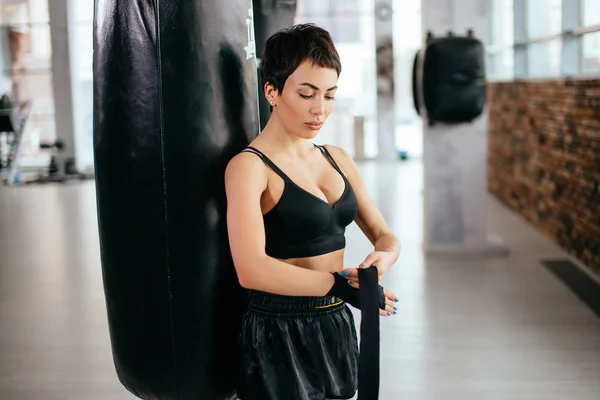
492,329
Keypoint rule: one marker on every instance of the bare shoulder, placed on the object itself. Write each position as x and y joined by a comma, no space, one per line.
244,159
245,168
337,150
344,160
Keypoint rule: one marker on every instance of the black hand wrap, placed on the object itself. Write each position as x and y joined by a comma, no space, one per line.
351,295
344,291
368,298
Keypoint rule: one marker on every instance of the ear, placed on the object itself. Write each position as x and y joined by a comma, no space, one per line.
271,92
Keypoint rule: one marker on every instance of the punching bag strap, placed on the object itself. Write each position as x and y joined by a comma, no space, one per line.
368,367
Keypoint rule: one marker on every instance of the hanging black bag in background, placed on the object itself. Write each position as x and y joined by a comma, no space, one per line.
449,79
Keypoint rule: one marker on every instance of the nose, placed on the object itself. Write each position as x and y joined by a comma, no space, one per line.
318,107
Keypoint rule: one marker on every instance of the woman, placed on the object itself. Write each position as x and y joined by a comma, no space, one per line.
288,204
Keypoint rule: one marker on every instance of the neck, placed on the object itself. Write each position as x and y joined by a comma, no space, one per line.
281,139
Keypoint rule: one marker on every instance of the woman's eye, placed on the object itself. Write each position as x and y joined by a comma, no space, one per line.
304,96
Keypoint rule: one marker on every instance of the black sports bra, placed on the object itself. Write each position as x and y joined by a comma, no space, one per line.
303,225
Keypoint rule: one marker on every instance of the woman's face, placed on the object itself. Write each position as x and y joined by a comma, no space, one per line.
306,100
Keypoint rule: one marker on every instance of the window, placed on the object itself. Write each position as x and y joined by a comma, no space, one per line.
590,52
407,41
590,12
81,24
543,59
553,38
501,26
544,18
501,64
500,54
340,18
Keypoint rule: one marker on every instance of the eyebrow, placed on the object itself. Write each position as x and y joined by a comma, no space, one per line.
314,87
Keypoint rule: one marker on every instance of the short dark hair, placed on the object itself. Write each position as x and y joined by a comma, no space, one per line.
290,47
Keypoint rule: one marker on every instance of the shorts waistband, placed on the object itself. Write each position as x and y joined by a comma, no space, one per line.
274,303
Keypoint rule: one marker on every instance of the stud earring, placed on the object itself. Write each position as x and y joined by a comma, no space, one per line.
272,103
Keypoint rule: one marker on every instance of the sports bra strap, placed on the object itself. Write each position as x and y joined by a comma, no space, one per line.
266,160
329,158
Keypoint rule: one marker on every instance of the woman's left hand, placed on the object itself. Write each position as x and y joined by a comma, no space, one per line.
381,259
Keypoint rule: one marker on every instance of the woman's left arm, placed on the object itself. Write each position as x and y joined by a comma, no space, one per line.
369,219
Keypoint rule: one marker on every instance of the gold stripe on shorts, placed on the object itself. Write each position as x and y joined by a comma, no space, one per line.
331,305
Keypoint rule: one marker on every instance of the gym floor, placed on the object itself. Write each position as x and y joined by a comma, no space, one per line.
498,328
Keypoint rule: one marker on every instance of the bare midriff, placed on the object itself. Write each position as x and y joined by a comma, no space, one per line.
330,262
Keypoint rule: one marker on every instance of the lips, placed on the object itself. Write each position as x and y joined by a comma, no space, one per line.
314,125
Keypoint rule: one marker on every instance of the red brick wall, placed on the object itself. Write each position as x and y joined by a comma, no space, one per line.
544,159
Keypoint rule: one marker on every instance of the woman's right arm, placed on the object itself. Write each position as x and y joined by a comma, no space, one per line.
245,181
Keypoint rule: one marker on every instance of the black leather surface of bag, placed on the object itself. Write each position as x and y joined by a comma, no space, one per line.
449,79
174,101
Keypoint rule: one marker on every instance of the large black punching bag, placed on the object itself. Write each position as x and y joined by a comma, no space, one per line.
448,79
174,101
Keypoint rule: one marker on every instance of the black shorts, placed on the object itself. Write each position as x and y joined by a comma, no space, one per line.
297,348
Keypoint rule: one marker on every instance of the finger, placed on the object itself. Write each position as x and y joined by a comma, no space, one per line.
371,258
390,295
354,284
384,313
350,273
390,303
390,309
